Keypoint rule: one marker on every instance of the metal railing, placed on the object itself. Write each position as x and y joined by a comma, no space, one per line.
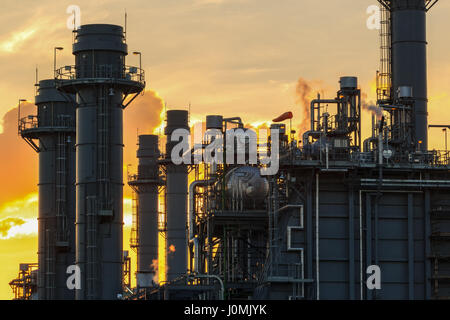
103,71
33,122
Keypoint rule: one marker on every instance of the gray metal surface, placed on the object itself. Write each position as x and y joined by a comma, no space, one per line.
348,82
176,201
409,54
100,84
214,122
145,184
54,126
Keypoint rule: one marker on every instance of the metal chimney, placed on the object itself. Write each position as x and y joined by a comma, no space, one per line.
146,184
54,127
176,200
101,82
409,57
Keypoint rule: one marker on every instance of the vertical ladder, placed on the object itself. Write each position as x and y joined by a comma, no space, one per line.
134,240
103,150
384,76
91,261
61,185
50,265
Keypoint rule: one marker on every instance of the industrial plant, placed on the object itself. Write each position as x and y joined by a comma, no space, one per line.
339,210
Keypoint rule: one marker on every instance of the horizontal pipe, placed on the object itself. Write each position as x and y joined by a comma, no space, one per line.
406,181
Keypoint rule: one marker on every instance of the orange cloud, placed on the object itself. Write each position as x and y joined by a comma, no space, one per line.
19,171
8,223
142,116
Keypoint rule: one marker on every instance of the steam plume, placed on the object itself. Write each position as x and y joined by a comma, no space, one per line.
373,108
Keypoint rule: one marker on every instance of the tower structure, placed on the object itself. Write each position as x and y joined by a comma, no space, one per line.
145,184
52,134
102,83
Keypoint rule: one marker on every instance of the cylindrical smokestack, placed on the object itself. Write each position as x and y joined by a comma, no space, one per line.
409,54
146,186
100,81
56,236
176,200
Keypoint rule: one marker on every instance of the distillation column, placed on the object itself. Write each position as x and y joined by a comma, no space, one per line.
409,54
146,184
176,200
101,82
54,127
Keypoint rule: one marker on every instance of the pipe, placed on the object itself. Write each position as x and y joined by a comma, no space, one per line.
317,237
176,199
316,101
307,134
360,246
211,276
196,254
192,187
193,239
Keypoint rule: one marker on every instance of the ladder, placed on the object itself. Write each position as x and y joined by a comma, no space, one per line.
50,265
384,76
134,236
91,261
61,185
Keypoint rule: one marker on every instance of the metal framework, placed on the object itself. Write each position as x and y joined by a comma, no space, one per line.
25,285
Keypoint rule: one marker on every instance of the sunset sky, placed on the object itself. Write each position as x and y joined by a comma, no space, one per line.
230,57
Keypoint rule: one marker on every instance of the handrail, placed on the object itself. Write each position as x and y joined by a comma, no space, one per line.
33,122
105,71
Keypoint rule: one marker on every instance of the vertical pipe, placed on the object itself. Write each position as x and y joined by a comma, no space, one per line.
427,234
309,227
176,195
351,244
146,186
368,237
361,246
410,247
317,238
